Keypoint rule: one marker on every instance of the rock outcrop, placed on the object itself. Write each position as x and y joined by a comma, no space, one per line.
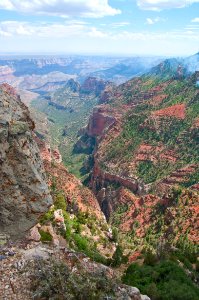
100,121
25,270
24,193
94,85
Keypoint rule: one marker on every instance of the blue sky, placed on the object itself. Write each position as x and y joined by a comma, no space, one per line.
116,27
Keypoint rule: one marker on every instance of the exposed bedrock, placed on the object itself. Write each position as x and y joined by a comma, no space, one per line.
24,195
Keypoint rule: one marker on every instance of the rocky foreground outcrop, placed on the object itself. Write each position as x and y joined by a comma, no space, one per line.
24,195
37,271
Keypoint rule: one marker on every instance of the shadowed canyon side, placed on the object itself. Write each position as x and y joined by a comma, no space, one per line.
24,196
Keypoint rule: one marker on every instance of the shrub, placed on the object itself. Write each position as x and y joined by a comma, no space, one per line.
175,195
48,217
164,281
54,280
81,242
45,236
150,258
60,201
118,257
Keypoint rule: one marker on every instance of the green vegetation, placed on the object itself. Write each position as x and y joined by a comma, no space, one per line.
118,257
187,250
169,273
45,236
151,172
165,280
64,124
77,224
139,127
54,280
167,235
60,201
193,178
169,270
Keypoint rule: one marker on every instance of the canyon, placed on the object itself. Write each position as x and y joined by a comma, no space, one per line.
142,161
32,174
132,198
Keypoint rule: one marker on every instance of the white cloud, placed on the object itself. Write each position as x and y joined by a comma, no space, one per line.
158,5
71,29
15,28
71,36
48,30
119,24
62,8
151,21
94,32
192,27
195,20
7,4
154,36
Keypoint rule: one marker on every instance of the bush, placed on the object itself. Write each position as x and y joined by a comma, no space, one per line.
81,242
48,217
118,257
60,201
54,280
164,281
45,236
150,258
188,249
175,195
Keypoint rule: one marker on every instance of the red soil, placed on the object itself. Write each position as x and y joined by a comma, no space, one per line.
141,213
177,111
169,155
154,153
133,257
158,99
196,122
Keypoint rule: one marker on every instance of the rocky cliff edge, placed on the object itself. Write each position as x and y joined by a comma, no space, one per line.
24,194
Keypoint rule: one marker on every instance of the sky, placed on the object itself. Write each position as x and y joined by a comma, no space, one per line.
105,27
